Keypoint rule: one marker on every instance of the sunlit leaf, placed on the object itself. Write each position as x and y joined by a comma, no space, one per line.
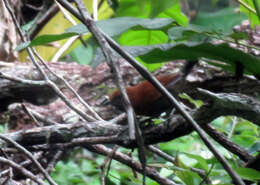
175,13
250,11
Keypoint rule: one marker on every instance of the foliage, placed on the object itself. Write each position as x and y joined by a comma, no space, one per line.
57,25
156,31
249,8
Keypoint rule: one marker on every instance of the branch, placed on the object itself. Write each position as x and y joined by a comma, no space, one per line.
30,156
22,169
147,75
125,159
153,134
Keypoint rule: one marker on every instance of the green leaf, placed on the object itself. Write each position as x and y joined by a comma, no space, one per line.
189,178
251,16
194,50
239,36
201,162
151,8
248,173
254,148
197,103
175,13
44,39
133,50
150,67
177,33
158,6
84,55
116,26
190,51
22,46
181,144
68,173
244,140
143,37
192,30
112,27
221,21
133,8
28,26
41,40
247,127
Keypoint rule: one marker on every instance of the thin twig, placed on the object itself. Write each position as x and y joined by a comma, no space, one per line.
79,142
35,121
95,9
161,154
81,100
30,156
24,81
43,119
249,8
206,177
54,160
109,159
23,170
39,24
233,126
130,154
24,163
63,48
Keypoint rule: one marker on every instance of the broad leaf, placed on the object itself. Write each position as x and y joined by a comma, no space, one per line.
158,6
111,27
142,38
221,21
175,13
116,26
248,173
44,39
189,178
201,162
254,148
191,51
177,33
181,33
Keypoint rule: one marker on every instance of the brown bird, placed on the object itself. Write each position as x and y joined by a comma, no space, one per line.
146,99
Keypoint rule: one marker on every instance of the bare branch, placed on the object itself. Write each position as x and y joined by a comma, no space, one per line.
23,170
30,156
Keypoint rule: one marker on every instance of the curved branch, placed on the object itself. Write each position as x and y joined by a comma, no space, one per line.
65,133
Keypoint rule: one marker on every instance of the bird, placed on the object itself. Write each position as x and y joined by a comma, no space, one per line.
146,99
